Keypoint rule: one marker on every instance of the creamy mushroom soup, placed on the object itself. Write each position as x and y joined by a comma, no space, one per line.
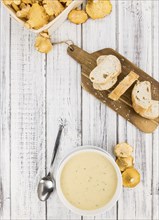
88,180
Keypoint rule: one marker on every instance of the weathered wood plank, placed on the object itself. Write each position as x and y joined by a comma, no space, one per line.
155,148
5,114
27,124
63,101
99,121
135,43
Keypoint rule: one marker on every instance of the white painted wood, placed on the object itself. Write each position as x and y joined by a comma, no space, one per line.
27,125
37,90
5,115
63,101
98,121
135,42
155,140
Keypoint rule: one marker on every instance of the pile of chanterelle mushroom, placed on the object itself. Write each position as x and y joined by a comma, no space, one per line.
37,13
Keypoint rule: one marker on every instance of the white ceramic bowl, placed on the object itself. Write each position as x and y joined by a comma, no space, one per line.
114,199
52,25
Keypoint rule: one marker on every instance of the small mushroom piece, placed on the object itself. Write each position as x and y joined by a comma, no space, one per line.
98,9
78,16
43,43
131,177
22,5
53,7
124,162
28,1
15,7
23,13
9,2
37,17
123,150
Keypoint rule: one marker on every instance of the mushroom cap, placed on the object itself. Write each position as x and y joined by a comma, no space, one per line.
123,150
78,16
43,44
131,177
98,9
37,17
124,162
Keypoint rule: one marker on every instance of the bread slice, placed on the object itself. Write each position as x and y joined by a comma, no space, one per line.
108,84
100,59
105,86
153,111
141,97
109,68
123,86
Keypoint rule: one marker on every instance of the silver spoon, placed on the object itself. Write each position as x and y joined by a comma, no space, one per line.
47,184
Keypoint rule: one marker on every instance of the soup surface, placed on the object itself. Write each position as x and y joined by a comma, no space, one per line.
88,180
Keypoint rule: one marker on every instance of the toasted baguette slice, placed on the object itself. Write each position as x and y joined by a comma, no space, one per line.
100,59
141,96
109,68
123,86
153,111
105,86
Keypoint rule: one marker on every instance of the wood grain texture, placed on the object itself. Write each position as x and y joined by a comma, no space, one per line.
99,121
37,90
135,43
124,105
155,137
27,125
5,197
63,101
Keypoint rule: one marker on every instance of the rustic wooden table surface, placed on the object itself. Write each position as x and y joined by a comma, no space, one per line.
37,90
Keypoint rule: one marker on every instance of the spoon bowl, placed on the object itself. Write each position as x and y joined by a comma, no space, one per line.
45,187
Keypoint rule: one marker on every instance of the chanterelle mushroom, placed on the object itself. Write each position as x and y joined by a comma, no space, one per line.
37,17
53,7
98,9
123,150
124,162
43,43
9,2
77,16
131,177
23,13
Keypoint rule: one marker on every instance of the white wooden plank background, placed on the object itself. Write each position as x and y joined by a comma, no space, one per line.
37,90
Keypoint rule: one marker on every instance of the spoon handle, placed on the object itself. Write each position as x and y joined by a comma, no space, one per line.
57,143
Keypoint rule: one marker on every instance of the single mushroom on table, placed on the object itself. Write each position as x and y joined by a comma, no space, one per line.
123,150
131,177
77,16
97,9
43,43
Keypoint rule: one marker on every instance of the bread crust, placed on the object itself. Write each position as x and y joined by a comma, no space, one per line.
153,111
138,107
123,86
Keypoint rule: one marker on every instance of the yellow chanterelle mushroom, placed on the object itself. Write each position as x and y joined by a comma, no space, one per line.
78,16
43,43
123,150
131,177
37,17
124,162
98,8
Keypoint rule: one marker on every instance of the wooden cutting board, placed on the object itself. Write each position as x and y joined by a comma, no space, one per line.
124,105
